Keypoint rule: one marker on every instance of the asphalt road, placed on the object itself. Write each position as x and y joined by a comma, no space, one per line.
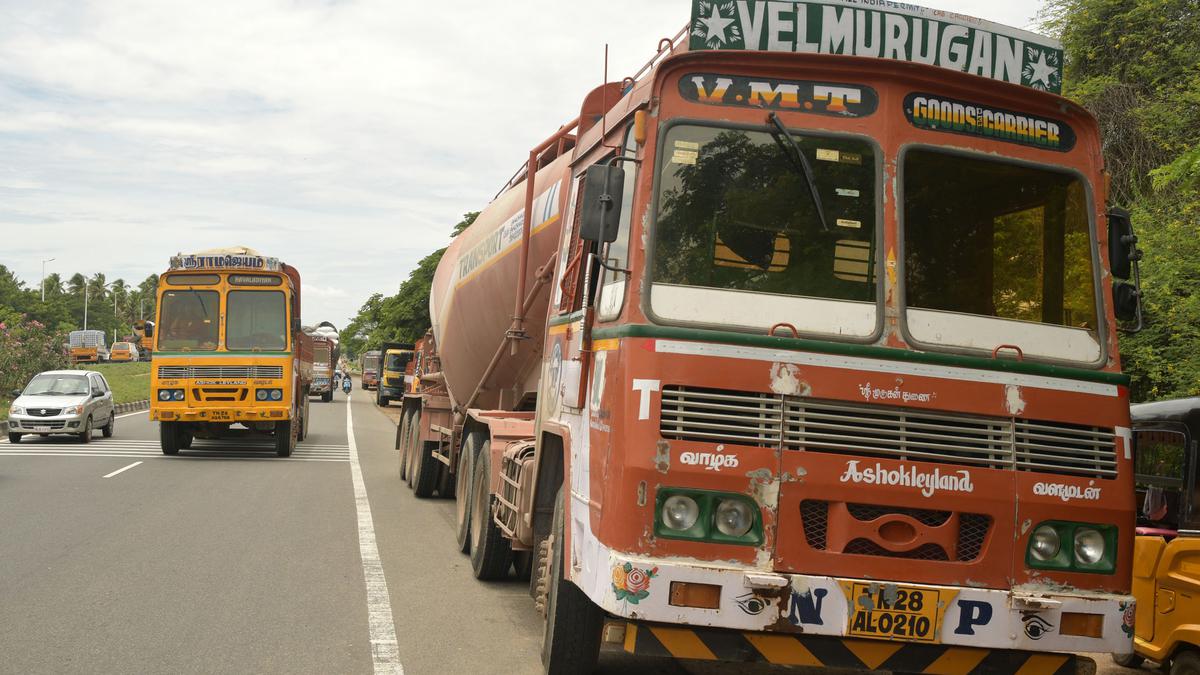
117,559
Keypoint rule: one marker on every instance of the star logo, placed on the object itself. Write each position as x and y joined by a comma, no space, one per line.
716,29
1041,69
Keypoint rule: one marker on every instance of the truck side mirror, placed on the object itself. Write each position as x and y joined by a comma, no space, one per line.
149,329
1122,244
600,208
1123,259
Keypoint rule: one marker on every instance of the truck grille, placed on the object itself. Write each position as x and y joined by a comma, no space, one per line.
971,531
201,372
772,420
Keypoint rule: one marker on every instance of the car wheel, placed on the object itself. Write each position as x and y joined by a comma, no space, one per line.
107,429
85,436
14,438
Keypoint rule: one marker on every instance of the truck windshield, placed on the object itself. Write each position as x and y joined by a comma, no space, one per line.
256,320
997,253
188,320
736,216
397,361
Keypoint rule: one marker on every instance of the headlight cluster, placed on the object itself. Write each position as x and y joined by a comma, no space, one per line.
269,394
719,517
72,410
170,394
1080,547
16,410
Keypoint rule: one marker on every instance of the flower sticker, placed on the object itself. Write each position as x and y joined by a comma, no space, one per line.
632,584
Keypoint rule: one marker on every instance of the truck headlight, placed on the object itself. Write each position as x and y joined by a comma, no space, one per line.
734,517
1089,546
177,395
261,394
1045,543
680,512
164,394
276,394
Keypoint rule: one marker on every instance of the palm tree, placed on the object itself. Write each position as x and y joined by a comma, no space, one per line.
54,284
76,283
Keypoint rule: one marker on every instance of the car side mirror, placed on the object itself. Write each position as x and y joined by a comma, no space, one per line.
15,393
600,208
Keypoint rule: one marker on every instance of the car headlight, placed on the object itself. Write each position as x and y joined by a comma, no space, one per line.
16,410
72,410
680,512
734,517
1045,543
1089,546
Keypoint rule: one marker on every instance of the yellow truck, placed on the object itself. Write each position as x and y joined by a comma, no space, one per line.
230,359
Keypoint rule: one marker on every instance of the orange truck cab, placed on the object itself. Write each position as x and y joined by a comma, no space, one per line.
1166,557
123,351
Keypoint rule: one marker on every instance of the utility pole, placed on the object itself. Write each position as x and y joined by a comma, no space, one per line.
85,300
44,278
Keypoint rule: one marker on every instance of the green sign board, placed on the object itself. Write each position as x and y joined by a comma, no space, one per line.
880,29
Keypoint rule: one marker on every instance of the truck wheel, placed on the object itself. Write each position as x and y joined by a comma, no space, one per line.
411,446
85,436
327,397
285,441
14,438
491,553
1130,660
445,482
426,469
571,641
107,429
402,443
462,498
1186,663
185,440
168,437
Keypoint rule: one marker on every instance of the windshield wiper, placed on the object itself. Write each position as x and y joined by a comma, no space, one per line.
792,151
202,308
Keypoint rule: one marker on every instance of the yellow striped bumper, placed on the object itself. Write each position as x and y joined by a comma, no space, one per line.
711,644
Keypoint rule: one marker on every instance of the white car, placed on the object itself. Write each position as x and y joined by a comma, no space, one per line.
63,402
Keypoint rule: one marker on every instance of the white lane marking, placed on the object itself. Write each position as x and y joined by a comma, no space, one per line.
136,412
124,468
385,651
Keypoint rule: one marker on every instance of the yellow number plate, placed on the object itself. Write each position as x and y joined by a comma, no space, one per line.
891,612
220,415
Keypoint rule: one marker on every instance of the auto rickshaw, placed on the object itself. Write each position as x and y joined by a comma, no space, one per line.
1166,561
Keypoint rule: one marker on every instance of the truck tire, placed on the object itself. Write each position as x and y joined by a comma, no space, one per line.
445,482
185,440
1130,660
327,397
410,448
491,552
285,441
1186,663
168,437
85,436
402,443
425,468
571,640
462,498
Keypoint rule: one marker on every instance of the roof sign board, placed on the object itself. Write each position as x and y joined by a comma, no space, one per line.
224,262
880,29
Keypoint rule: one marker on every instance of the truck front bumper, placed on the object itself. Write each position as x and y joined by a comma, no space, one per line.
221,415
772,604
713,644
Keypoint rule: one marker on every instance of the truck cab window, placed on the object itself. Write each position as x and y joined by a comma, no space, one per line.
612,284
256,320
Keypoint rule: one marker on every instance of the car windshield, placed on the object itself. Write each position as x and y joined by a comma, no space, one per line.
735,215
48,384
257,320
188,320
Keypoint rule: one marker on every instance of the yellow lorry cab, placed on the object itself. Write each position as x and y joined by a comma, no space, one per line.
123,351
1166,559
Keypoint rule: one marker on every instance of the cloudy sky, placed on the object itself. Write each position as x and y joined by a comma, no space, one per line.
345,137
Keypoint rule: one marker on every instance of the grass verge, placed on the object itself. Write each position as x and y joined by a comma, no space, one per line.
129,381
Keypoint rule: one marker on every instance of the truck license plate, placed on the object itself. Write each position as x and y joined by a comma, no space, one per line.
892,612
220,415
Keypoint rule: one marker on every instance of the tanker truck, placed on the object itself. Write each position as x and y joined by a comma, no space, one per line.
743,365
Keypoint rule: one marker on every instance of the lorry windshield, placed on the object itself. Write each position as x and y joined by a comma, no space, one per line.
397,361
188,320
256,320
998,253
735,214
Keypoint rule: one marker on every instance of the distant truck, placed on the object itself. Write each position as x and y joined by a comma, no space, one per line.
87,346
370,369
142,329
395,372
326,353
